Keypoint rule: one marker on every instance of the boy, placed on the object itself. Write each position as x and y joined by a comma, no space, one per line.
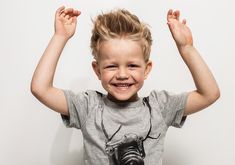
121,127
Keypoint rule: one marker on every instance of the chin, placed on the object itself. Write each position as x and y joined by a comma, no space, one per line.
119,98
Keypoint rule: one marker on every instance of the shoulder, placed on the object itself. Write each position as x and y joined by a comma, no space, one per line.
167,98
160,95
89,96
171,105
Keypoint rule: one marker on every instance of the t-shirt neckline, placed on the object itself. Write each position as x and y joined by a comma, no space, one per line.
132,104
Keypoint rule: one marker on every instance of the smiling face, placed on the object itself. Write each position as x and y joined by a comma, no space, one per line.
121,68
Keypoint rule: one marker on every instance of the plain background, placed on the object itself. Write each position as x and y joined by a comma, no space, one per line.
30,133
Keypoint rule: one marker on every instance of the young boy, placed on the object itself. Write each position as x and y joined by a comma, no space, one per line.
120,127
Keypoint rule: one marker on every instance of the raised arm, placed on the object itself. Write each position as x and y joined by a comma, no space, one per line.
207,90
42,82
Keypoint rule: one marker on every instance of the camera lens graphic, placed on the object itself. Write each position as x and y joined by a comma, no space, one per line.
131,156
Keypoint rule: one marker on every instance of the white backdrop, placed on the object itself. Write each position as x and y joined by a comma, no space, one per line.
30,133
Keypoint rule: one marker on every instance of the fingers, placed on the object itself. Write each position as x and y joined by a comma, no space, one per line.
59,10
71,12
174,15
67,13
169,15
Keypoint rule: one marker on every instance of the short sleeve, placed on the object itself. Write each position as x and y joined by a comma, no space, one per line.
171,106
79,105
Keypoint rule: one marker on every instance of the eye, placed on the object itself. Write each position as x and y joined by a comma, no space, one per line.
133,66
110,66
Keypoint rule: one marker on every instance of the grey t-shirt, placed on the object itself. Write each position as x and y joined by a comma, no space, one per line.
87,110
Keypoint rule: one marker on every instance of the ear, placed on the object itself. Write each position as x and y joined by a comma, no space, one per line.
148,68
96,69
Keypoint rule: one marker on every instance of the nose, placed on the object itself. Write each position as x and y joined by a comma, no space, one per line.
122,74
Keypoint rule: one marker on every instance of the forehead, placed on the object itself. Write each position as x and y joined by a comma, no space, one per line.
119,48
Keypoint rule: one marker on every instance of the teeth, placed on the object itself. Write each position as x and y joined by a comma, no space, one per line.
122,85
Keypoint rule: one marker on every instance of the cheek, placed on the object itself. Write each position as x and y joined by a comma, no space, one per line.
106,76
139,75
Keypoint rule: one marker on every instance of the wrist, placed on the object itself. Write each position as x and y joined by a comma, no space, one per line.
186,49
60,37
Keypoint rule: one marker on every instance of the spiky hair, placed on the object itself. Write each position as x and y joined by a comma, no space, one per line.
120,23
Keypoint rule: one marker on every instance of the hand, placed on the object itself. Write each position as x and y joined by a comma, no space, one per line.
179,30
66,21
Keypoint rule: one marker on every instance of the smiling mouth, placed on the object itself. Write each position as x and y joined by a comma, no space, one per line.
122,86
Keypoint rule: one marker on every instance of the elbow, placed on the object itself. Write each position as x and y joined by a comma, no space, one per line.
215,95
36,89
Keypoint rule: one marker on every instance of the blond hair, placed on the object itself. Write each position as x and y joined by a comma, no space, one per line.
120,24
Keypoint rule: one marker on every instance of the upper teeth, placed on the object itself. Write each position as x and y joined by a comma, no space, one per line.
122,85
